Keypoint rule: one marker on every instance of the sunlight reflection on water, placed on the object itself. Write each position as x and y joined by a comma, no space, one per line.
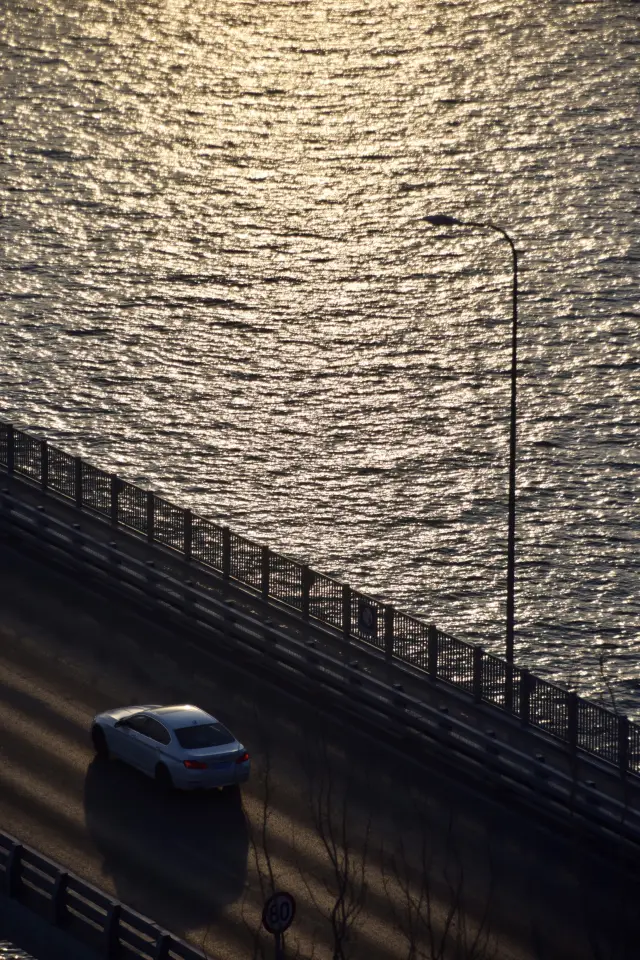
216,282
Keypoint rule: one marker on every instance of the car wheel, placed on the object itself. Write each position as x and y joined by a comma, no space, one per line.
100,742
163,777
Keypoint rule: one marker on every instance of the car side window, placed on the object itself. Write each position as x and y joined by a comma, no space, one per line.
136,723
156,731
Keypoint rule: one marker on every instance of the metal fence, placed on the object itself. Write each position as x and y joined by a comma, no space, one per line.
580,723
82,911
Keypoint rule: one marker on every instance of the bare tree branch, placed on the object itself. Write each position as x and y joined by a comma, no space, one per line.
330,800
434,928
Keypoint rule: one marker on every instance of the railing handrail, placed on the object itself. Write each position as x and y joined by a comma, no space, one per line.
98,919
315,596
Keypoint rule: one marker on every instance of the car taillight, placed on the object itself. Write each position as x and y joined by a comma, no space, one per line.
195,765
242,758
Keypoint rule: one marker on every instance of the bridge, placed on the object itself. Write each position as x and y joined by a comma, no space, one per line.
516,834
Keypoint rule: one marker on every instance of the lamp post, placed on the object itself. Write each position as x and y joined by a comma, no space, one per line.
443,220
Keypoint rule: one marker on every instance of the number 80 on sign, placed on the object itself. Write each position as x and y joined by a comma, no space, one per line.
278,912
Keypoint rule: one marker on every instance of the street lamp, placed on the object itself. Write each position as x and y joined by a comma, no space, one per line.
443,220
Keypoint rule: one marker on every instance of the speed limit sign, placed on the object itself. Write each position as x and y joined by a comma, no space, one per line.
278,912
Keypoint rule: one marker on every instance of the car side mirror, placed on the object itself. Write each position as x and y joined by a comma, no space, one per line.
120,723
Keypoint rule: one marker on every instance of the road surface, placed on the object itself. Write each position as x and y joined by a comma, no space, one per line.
421,858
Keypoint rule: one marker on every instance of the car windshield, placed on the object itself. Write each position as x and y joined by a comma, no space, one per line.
203,735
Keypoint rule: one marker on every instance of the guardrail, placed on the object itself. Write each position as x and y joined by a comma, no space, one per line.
580,723
87,914
391,713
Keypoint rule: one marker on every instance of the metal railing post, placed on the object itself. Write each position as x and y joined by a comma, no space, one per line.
44,466
478,656
161,947
526,684
115,490
188,533
111,931
572,721
11,448
12,871
508,686
432,651
623,745
77,481
264,572
346,612
57,904
226,553
306,586
389,619
151,510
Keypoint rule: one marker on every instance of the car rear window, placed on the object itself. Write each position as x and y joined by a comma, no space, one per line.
203,735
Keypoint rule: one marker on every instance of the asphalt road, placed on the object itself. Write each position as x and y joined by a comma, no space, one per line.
421,859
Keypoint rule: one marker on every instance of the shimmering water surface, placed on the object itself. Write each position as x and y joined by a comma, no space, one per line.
215,280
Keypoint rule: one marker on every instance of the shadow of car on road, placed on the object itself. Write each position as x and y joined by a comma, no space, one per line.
176,857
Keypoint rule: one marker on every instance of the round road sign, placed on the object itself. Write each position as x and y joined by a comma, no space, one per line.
278,912
367,617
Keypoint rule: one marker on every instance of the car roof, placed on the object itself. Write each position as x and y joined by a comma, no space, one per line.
181,715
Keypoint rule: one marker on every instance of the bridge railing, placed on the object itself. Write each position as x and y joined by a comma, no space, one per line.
82,911
580,723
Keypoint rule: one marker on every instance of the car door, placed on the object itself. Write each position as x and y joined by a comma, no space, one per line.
154,739
130,745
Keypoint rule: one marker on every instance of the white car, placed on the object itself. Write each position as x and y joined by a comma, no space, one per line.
180,746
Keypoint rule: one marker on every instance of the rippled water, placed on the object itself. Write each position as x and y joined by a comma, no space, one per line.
216,281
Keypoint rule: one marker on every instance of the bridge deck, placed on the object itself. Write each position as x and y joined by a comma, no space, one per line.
438,694
202,869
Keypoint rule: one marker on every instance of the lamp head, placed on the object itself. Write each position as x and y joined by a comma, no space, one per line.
443,220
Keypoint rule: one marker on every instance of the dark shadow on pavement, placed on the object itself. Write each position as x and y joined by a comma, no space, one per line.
176,857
